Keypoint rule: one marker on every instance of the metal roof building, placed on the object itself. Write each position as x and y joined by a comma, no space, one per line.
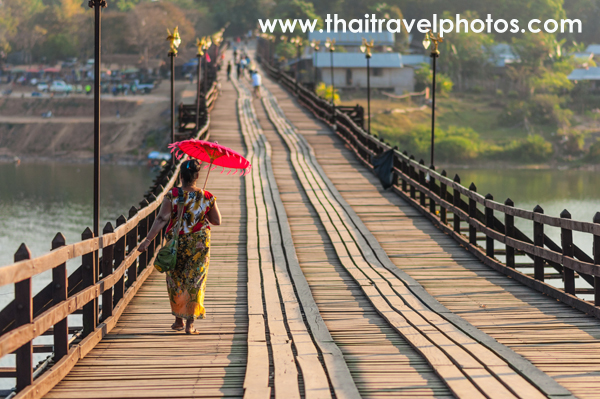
585,74
354,39
357,60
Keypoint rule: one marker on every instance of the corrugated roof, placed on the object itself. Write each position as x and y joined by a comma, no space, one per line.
585,74
357,60
593,48
415,59
354,39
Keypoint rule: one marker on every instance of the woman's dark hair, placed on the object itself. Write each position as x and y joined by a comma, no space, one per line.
188,170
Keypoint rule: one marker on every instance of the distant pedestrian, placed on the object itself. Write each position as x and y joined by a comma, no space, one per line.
118,114
256,83
229,70
239,70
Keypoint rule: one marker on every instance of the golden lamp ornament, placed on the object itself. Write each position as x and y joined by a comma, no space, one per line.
366,47
174,40
430,37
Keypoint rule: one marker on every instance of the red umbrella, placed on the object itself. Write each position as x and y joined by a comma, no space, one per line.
213,154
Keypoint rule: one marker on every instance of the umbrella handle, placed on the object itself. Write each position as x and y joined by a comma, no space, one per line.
205,181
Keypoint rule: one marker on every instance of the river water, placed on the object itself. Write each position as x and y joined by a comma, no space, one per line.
39,200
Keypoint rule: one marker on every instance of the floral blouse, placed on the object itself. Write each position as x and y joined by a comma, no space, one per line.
197,205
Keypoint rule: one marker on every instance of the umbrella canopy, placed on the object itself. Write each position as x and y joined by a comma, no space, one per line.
212,154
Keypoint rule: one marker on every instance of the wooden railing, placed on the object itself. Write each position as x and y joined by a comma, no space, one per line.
449,205
113,280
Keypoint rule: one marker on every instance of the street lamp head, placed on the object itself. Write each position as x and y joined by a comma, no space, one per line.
430,37
315,44
200,46
330,44
366,47
174,40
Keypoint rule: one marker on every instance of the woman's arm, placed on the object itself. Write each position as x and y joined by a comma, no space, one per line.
214,216
164,215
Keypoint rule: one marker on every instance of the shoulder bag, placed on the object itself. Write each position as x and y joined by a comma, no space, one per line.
166,259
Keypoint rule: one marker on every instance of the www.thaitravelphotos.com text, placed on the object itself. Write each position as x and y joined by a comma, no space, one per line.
442,25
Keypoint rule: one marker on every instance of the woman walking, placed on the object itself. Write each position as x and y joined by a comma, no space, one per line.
187,282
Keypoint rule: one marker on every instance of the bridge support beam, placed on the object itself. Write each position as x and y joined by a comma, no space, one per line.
566,238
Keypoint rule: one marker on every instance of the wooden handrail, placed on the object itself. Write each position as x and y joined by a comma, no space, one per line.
122,270
409,178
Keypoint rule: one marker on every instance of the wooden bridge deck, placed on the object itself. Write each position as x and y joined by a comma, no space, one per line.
323,285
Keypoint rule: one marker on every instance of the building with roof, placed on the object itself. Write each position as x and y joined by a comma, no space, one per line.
350,71
352,41
586,74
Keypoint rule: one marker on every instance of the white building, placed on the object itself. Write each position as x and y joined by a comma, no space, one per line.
350,71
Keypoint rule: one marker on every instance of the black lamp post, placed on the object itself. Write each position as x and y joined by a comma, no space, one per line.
199,54
175,41
366,48
97,5
315,45
330,45
297,41
435,53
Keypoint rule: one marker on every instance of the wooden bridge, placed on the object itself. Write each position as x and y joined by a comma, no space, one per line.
322,283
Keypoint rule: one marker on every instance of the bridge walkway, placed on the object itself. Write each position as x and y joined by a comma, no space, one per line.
303,300
557,339
142,357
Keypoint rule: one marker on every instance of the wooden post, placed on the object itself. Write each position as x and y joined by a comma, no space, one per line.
538,241
596,252
412,175
566,239
489,223
90,310
509,225
443,191
432,190
151,219
60,287
405,171
472,216
422,183
119,253
456,204
24,306
107,269
143,232
132,239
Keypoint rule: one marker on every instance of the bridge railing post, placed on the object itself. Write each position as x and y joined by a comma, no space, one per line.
443,191
538,241
143,232
119,253
566,239
489,223
509,227
456,200
59,293
472,216
24,306
107,269
90,310
151,218
431,190
422,184
413,178
405,171
596,253
132,239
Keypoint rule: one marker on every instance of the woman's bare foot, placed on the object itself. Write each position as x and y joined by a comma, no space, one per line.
189,328
178,325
